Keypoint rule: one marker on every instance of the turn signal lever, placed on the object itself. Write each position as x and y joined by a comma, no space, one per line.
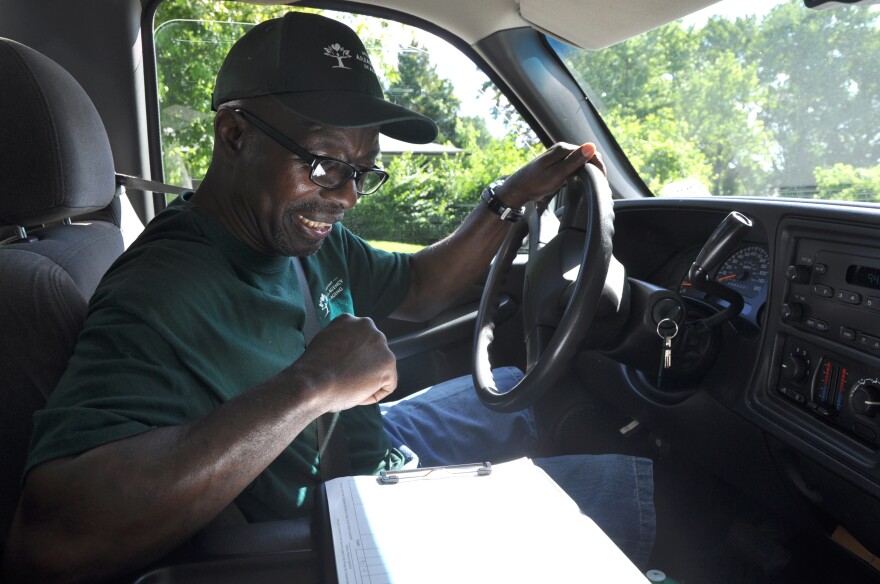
717,248
719,245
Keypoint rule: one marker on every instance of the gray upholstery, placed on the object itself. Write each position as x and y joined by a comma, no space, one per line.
55,163
54,153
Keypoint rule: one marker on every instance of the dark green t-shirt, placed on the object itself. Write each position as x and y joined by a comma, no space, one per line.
189,318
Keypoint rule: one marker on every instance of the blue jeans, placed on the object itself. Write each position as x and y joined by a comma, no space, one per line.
448,424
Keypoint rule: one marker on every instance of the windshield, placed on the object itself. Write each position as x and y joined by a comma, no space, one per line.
746,98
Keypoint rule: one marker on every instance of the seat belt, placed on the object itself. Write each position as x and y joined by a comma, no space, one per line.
142,184
332,448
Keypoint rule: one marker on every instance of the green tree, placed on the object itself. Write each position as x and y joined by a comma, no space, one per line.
719,99
429,196
848,183
744,93
682,102
419,87
661,149
820,124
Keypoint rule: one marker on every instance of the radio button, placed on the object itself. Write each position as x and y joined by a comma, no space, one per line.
798,273
795,368
847,334
849,297
824,291
820,268
872,302
869,341
794,311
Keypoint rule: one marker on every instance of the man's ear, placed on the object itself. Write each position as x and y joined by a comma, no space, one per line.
228,132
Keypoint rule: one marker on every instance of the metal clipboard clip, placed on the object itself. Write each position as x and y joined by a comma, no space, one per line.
393,477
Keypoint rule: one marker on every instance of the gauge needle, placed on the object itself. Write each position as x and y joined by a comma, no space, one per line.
728,277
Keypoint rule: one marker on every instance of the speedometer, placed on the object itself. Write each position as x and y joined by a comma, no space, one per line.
747,271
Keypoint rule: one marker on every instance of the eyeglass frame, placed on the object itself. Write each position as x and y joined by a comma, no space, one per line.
314,160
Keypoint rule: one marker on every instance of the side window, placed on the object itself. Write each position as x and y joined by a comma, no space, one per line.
432,186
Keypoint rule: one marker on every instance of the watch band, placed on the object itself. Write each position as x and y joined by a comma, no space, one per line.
496,206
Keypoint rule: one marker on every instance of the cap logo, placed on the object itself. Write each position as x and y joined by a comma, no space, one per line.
336,51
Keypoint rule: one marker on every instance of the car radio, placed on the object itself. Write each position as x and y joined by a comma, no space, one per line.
833,292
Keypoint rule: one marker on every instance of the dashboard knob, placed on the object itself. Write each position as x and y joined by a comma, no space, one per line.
798,274
792,311
795,368
865,398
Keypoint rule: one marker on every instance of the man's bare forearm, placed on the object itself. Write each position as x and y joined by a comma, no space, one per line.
128,502
123,504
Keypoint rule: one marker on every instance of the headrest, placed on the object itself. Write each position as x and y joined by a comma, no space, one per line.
55,157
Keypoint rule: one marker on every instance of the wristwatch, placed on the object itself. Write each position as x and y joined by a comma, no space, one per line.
496,206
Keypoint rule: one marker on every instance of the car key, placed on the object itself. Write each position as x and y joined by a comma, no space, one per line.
666,330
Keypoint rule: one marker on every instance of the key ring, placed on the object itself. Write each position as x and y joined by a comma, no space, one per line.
660,325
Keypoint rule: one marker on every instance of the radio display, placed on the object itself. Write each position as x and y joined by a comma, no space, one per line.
863,276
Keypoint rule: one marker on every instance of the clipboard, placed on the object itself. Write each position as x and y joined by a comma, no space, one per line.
507,522
393,477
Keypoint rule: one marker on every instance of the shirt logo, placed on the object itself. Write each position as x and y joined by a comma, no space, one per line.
331,290
324,304
336,51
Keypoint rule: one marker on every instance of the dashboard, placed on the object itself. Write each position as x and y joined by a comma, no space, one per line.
789,410
747,271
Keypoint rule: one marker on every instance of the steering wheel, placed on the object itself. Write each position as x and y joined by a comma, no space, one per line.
583,243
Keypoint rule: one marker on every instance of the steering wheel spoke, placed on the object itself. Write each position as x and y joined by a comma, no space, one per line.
580,253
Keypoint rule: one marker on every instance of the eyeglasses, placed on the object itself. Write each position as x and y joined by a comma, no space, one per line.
326,172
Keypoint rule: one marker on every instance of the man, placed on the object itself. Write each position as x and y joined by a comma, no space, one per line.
192,386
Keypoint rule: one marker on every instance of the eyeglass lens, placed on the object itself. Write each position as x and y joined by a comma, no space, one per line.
335,173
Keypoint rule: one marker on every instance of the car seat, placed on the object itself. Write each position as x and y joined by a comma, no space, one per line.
57,198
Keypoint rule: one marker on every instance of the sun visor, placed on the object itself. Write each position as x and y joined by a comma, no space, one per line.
590,24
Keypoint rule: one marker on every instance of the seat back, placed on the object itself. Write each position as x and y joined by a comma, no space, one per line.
55,166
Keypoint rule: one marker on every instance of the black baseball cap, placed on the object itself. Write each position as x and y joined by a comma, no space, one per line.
318,68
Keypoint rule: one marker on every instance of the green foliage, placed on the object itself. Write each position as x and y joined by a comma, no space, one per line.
419,87
848,183
427,197
735,105
834,120
661,156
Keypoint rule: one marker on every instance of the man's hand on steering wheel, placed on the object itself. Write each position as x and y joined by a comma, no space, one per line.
582,245
546,174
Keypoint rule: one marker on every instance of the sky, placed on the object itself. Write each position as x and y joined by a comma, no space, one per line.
731,9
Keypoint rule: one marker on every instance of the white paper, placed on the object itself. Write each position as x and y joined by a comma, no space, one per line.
514,525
